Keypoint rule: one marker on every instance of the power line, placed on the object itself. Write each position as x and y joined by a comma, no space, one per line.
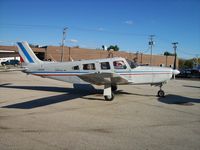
72,28
30,26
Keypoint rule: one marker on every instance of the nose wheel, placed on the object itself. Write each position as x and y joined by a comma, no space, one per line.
161,93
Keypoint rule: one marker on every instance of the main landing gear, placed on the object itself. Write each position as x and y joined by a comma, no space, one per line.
114,88
109,97
161,93
109,89
108,92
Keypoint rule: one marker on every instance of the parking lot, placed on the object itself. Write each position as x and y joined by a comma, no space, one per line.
40,113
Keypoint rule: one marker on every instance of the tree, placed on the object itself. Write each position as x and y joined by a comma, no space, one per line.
34,46
181,63
113,47
186,63
189,63
166,53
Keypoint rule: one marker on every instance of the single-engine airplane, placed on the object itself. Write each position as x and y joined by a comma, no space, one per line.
109,72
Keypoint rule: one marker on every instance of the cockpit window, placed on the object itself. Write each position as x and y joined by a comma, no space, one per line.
105,65
119,64
132,64
90,66
75,68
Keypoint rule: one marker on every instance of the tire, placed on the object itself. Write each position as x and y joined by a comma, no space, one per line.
114,88
161,93
109,98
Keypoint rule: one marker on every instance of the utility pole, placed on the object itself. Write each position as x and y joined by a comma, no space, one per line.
197,57
151,43
175,46
141,59
63,42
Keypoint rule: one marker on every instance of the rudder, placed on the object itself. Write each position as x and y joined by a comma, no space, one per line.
26,53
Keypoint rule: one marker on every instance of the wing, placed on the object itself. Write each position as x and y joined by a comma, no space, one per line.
103,78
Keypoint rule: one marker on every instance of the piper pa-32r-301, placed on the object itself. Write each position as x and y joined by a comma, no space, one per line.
109,72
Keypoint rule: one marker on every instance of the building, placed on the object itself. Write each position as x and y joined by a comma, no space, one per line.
74,53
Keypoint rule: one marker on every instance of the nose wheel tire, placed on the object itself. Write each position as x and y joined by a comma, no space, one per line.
161,93
109,98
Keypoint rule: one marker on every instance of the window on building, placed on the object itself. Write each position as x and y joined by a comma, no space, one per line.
105,66
119,64
90,66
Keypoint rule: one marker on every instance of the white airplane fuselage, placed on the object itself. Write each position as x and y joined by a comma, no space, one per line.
109,72
64,71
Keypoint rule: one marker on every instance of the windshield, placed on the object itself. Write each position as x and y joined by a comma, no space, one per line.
132,64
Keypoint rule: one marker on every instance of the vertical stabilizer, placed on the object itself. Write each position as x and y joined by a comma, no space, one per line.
26,53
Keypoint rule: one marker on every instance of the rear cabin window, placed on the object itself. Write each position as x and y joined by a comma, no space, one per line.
105,66
119,64
90,66
75,68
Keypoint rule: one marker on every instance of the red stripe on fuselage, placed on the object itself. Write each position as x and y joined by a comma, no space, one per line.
80,74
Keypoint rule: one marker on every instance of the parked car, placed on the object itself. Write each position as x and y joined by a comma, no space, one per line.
184,73
13,62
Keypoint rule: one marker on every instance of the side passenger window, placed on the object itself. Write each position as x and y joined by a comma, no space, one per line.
105,66
89,66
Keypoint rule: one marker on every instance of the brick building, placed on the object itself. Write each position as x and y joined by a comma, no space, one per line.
54,53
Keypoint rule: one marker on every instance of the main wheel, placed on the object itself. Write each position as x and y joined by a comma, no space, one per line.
161,93
114,87
109,98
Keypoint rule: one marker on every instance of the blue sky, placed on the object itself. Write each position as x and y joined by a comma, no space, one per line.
92,23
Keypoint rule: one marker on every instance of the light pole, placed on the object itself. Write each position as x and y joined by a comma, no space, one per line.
175,46
63,42
151,43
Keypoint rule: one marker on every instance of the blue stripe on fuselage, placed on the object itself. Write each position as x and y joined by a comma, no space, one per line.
25,53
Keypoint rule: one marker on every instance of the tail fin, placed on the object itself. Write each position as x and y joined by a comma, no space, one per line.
26,53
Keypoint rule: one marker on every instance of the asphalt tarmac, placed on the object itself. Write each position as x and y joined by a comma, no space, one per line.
39,113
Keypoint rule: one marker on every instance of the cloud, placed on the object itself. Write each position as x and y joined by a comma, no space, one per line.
129,22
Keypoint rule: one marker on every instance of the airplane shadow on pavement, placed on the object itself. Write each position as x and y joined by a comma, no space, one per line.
178,100
67,94
81,91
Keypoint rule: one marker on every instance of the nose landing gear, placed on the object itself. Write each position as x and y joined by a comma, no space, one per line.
161,93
